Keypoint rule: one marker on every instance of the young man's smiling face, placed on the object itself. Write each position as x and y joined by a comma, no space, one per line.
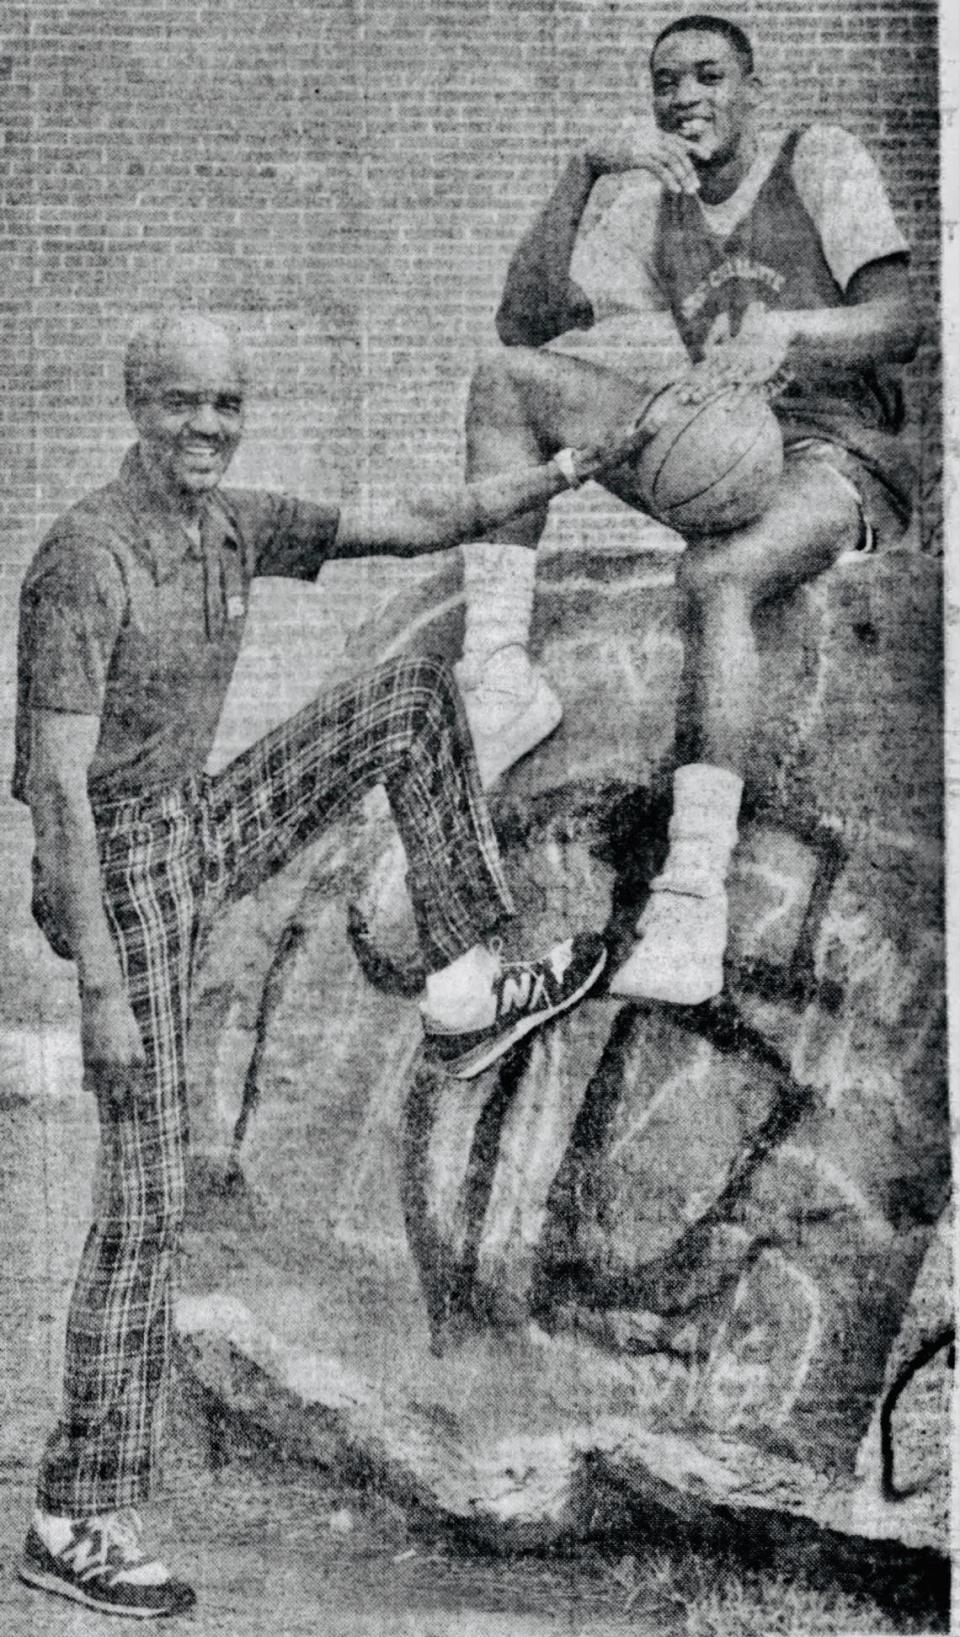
703,93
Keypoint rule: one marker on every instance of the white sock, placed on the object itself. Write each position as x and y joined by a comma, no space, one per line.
498,587
703,830
54,1529
460,996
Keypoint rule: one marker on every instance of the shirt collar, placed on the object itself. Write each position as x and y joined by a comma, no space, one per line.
160,536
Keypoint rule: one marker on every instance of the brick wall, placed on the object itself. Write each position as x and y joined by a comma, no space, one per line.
347,178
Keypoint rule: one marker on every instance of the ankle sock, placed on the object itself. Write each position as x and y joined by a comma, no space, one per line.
54,1529
460,996
703,830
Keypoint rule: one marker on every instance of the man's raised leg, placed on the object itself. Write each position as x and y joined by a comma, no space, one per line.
402,725
683,929
524,406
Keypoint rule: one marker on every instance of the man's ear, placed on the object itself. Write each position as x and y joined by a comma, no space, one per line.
756,91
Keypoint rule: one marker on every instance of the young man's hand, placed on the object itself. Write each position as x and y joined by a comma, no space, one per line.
113,1054
638,145
757,354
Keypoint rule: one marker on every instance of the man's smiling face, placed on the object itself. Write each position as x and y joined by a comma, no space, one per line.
190,417
703,94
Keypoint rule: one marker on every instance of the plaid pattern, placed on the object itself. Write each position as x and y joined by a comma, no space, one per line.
164,859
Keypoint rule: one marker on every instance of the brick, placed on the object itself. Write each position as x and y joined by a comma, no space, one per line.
350,182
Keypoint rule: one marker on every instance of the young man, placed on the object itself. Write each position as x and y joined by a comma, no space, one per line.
776,259
131,618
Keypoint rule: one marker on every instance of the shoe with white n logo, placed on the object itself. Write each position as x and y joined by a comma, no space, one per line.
100,1562
527,994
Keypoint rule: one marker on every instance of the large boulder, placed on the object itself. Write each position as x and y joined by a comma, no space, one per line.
675,1246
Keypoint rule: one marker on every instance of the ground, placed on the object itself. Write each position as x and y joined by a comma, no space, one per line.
278,1549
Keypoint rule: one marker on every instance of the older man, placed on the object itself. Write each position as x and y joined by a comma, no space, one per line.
131,619
775,259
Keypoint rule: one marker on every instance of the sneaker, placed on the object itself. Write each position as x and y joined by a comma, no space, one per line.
527,994
102,1565
511,708
679,954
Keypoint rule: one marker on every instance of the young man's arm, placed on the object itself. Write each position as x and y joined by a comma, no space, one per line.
62,749
877,324
540,301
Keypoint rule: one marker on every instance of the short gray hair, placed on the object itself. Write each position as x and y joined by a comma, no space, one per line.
157,332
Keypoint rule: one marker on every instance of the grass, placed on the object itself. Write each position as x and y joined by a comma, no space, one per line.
697,1598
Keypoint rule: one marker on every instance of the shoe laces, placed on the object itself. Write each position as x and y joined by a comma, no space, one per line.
123,1529
520,984
517,986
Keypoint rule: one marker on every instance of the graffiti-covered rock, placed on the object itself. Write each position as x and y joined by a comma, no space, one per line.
675,1246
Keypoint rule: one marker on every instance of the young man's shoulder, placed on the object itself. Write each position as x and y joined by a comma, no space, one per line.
828,142
638,187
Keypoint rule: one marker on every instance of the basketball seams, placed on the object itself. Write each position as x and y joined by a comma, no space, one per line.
721,477
690,488
681,432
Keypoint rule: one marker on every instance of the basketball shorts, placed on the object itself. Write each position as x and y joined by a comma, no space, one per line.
881,525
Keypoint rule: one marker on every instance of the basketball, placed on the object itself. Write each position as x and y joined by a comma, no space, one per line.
713,466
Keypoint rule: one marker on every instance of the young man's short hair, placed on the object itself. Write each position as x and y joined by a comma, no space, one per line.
704,23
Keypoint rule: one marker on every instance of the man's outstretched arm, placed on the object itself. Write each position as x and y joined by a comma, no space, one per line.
434,519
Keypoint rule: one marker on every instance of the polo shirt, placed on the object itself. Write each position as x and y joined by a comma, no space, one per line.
124,616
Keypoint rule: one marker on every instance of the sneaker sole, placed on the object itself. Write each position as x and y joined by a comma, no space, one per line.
45,1582
483,1057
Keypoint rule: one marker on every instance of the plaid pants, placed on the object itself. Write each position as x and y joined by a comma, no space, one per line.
165,858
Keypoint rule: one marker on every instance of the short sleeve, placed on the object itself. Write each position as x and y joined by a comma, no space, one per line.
843,191
293,537
72,608
614,254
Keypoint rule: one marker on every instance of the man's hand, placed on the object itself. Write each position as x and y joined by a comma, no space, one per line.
637,145
113,1054
623,443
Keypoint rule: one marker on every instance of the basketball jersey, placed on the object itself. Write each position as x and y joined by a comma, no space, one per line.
774,256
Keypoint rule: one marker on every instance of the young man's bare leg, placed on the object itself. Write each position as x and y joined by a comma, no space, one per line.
524,406
683,930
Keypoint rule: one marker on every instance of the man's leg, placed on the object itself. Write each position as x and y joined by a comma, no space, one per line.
403,726
524,405
99,1463
683,930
